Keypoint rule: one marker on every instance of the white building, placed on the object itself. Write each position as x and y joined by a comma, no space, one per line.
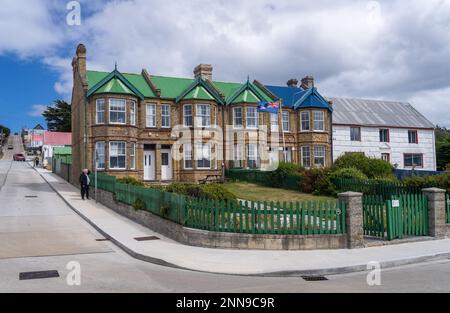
393,131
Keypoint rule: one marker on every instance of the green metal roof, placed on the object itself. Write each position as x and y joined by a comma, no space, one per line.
174,87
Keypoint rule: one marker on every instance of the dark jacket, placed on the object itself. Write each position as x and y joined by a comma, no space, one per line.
83,179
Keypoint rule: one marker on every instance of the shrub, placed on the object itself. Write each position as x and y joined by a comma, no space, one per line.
318,181
439,181
130,181
139,204
348,173
369,166
208,191
284,171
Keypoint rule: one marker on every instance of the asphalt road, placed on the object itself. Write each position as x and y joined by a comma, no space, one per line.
39,232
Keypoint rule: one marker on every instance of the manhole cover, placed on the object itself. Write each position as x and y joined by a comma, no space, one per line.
146,238
38,275
314,278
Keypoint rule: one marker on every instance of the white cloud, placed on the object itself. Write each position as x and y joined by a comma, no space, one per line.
380,49
37,110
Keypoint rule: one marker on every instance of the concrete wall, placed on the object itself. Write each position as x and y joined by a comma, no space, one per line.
371,146
201,238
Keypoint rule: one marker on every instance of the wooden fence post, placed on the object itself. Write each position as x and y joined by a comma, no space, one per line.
353,218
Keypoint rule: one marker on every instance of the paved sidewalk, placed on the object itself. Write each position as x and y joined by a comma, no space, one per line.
122,232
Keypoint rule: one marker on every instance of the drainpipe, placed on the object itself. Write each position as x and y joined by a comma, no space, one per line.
223,142
85,132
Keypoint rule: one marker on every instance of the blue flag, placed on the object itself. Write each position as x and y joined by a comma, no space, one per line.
268,107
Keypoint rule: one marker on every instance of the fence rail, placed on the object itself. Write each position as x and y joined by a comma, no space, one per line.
306,218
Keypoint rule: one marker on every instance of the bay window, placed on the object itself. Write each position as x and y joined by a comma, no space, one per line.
187,155
252,117
304,121
99,155
117,155
203,155
117,111
252,155
203,115
319,121
319,156
100,111
187,115
237,117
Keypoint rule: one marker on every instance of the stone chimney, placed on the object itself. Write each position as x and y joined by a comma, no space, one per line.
293,83
203,71
79,62
307,82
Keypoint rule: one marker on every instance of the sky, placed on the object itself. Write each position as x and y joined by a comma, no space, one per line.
392,50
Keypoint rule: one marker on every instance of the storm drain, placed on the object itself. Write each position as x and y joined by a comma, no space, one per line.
314,278
31,196
38,275
146,238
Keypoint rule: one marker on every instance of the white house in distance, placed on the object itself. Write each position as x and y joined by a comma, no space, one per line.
393,131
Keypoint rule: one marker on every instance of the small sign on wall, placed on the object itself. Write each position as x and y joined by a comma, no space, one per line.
395,203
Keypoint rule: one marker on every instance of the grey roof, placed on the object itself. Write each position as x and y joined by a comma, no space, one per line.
351,111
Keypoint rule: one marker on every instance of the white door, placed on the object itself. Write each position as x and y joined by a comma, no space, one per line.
166,164
149,165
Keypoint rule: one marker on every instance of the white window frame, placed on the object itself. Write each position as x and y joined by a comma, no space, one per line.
286,122
118,111
320,156
254,155
303,156
118,155
201,116
97,111
318,121
187,156
302,120
236,125
200,157
133,113
101,155
148,115
132,156
237,155
187,115
253,118
166,116
273,117
359,133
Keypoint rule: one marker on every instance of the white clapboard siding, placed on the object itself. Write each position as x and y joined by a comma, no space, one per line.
371,146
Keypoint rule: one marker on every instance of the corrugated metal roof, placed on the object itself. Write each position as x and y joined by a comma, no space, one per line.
352,111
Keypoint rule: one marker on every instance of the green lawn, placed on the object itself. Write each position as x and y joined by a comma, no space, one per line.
253,192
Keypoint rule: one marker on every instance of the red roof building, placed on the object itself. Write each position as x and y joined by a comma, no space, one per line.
57,139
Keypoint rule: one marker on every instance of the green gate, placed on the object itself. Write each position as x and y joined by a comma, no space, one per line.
405,215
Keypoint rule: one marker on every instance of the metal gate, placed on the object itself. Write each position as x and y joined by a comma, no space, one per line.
401,216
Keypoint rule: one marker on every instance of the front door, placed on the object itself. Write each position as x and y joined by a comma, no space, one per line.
149,165
166,164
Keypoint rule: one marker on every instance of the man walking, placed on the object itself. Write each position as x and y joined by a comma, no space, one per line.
84,182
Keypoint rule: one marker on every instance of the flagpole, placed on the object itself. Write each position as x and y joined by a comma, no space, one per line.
282,131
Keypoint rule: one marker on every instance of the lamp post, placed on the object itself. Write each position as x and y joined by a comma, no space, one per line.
95,173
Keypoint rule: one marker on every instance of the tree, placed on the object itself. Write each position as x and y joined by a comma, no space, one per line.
58,117
442,147
5,130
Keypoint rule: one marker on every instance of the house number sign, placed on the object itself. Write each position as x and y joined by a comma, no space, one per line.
395,203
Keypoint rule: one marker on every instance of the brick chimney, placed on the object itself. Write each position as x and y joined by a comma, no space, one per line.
293,83
307,82
203,71
79,62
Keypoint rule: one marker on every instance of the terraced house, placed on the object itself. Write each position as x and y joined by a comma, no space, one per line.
159,128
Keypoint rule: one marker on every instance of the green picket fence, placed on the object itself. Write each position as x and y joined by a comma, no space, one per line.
373,187
447,210
410,218
306,218
374,216
381,219
165,204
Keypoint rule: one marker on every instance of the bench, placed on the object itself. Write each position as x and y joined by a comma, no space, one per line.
211,179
